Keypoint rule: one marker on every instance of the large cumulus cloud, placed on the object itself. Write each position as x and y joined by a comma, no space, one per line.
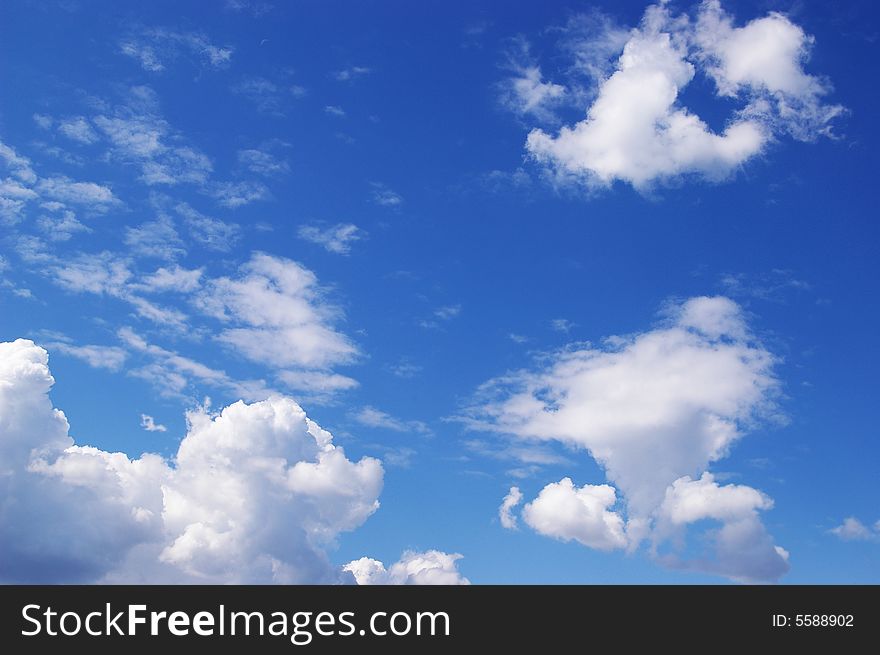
255,493
654,409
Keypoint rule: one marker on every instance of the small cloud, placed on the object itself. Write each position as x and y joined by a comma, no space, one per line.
562,325
376,418
854,530
349,74
505,511
335,238
262,162
333,110
150,425
384,196
78,129
448,312
405,369
517,338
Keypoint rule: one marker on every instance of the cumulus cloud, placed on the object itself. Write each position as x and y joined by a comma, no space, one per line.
432,567
255,493
651,408
335,238
636,130
583,514
505,511
742,548
854,530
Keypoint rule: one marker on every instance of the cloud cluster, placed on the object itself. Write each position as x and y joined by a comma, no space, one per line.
152,48
54,198
255,493
637,131
432,567
655,410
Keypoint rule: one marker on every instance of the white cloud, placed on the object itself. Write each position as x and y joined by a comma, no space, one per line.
109,357
650,408
432,567
635,130
566,512
262,162
854,530
526,92
376,418
138,133
211,233
145,55
743,550
17,165
317,384
61,226
156,238
763,61
172,373
505,511
149,424
176,278
281,316
78,129
333,110
101,273
63,189
238,194
349,74
384,196
267,96
448,312
335,238
561,325
254,494
153,45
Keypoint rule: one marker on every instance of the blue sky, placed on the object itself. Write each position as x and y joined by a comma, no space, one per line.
401,217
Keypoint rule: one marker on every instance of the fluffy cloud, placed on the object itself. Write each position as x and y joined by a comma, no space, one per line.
255,493
149,424
505,511
636,131
651,408
278,315
566,512
431,567
854,530
743,550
